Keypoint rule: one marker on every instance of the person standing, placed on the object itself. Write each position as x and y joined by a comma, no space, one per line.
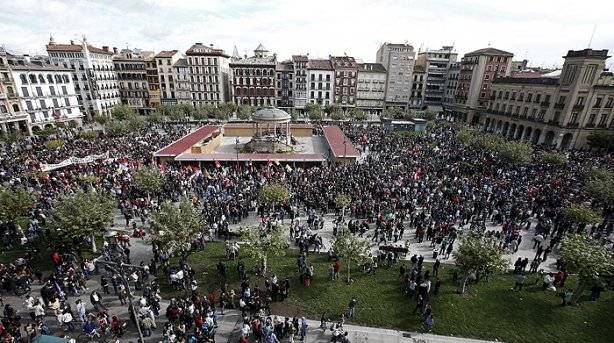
352,307
304,326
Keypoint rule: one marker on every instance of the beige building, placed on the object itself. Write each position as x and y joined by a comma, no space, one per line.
130,67
165,60
182,82
209,71
558,109
371,88
13,118
398,60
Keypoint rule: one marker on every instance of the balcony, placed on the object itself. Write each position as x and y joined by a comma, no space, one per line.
589,125
578,107
559,106
573,124
545,104
7,81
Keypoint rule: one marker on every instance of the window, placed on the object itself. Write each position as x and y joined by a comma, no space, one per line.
608,104
24,91
33,79
41,78
49,78
55,103
23,79
67,101
39,91
52,90
580,101
43,104
598,102
529,97
561,99
29,105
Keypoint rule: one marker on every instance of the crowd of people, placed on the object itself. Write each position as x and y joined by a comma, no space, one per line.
427,189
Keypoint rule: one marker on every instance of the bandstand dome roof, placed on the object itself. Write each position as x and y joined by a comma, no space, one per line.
271,115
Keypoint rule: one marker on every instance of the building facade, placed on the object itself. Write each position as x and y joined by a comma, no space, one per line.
371,87
153,82
209,72
346,73
436,64
399,61
556,109
165,60
320,81
478,69
253,79
13,119
285,85
300,65
131,70
451,86
416,99
46,92
93,74
183,90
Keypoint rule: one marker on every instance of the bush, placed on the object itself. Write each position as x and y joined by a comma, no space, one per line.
554,158
47,132
515,152
88,134
54,144
581,214
116,128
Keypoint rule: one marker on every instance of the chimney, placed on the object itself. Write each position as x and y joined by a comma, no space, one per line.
105,48
72,42
115,50
211,45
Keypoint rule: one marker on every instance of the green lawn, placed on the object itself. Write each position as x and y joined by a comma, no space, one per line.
489,310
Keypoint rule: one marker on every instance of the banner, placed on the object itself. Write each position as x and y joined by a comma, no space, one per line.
73,160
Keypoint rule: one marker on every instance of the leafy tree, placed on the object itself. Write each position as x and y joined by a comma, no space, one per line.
332,110
136,123
343,201
100,119
15,203
11,137
599,184
586,258
187,109
260,245
554,158
83,214
148,180
477,254
273,194
337,115
201,113
581,214
176,114
116,128
175,227
515,152
313,111
122,112
54,144
219,114
156,117
88,134
357,114
601,140
393,112
228,108
350,249
244,112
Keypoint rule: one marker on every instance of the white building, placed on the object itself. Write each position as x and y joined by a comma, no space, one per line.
300,63
371,87
182,82
209,72
93,74
399,61
320,82
12,117
436,64
165,60
46,92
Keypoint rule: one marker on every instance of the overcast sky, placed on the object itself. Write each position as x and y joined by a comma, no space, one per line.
539,30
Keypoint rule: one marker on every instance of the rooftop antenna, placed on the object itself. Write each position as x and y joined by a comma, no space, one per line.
590,41
489,44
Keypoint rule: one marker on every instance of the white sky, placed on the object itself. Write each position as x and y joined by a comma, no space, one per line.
539,30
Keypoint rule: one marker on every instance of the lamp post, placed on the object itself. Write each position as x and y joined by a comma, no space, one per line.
237,148
345,148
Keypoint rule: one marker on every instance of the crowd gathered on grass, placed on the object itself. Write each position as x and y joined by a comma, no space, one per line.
472,198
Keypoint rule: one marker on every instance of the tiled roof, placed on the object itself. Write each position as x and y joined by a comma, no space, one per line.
38,66
300,58
76,48
285,66
255,61
320,64
201,49
182,62
343,62
167,53
335,139
489,52
186,142
371,67
257,157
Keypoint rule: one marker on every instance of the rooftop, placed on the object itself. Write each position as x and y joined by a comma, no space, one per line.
285,66
603,54
343,62
182,62
320,64
547,81
77,48
371,67
340,145
167,53
201,49
300,58
489,52
271,115
186,142
35,65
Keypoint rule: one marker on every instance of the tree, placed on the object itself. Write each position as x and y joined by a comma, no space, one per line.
244,112
219,114
515,152
135,123
15,203
477,254
273,194
586,258
83,214
260,245
155,117
175,226
100,119
351,249
343,201
54,144
357,114
176,114
599,184
313,111
116,128
88,134
338,115
122,112
148,180
228,108
554,158
395,112
601,140
187,109
332,110
581,214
